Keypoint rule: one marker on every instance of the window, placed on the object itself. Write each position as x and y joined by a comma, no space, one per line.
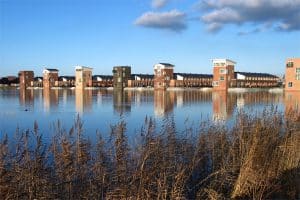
215,83
297,74
290,64
223,71
222,78
290,84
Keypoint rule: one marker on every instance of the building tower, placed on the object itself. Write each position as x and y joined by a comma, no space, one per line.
83,77
292,74
50,78
163,74
26,79
223,73
121,75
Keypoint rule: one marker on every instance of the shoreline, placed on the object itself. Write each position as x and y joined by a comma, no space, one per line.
204,89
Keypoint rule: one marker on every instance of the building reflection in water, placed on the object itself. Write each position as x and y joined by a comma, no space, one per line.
122,101
26,97
292,101
50,99
163,102
83,100
223,105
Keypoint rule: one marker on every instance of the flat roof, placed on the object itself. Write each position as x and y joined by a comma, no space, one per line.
223,60
83,68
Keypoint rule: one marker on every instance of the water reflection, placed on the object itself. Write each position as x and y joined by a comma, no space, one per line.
292,101
163,103
50,99
83,100
222,105
122,101
26,97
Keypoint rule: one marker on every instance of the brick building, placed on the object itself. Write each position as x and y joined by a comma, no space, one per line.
163,73
121,76
223,73
83,77
26,78
50,78
292,74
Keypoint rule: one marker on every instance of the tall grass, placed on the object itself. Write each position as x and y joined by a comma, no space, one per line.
257,158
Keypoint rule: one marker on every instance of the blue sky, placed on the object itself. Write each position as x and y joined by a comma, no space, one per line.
258,34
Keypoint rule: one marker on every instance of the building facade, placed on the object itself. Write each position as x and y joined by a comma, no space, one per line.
223,73
292,74
26,79
163,74
121,76
83,77
50,78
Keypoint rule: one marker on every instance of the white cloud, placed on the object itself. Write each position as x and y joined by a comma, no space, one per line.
283,13
159,3
173,20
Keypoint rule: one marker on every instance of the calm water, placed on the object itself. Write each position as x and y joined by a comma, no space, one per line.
101,108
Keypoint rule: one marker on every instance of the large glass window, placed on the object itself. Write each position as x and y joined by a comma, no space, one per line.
223,71
297,74
290,64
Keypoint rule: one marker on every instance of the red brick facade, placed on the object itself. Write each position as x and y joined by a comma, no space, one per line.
50,78
223,74
292,74
26,79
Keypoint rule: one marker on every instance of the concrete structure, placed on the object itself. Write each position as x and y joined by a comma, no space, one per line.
292,74
50,78
83,77
163,73
121,75
26,78
223,73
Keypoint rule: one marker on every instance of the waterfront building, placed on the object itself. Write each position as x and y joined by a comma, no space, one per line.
50,78
250,80
163,74
141,80
102,81
191,80
66,81
223,73
83,77
26,79
292,74
121,76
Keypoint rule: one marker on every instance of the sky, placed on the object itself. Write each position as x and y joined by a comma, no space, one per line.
258,34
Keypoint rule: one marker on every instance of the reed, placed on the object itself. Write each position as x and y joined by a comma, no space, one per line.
256,158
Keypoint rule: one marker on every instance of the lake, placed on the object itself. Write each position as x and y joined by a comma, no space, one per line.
101,108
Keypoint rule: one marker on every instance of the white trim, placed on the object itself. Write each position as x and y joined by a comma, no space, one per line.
83,68
219,62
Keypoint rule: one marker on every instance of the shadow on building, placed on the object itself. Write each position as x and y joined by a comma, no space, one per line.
83,100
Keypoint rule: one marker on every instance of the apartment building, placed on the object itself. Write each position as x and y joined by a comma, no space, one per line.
292,74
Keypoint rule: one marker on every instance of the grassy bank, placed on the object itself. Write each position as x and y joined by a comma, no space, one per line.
258,158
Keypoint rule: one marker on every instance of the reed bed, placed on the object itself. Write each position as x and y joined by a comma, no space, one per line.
257,158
